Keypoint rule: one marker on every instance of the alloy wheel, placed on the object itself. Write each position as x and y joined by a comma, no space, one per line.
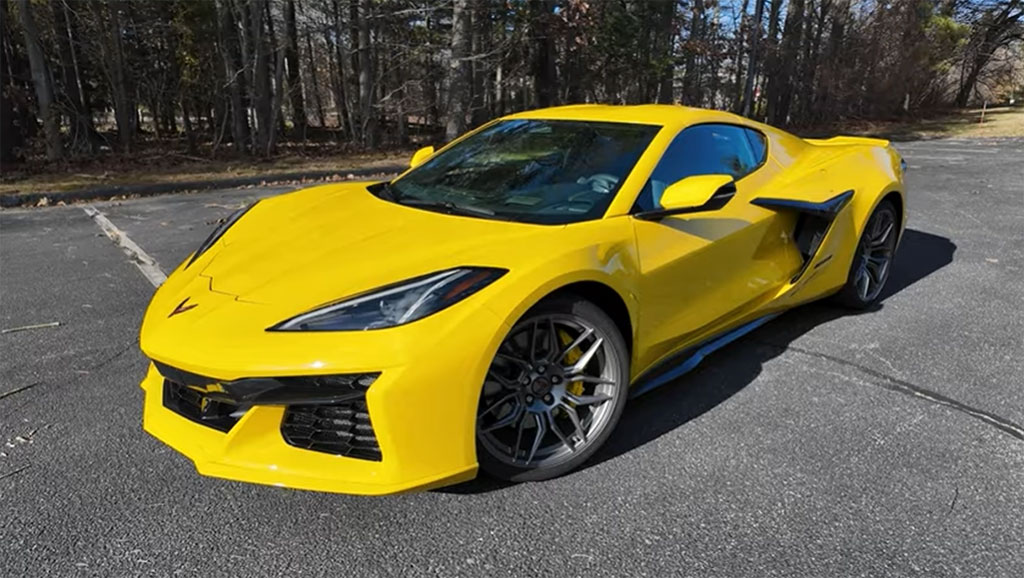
549,393
874,254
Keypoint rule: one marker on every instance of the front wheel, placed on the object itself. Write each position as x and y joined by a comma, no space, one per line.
872,260
553,393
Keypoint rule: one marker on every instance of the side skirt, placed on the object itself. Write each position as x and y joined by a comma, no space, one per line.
691,357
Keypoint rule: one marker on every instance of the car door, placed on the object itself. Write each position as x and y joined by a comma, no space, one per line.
700,270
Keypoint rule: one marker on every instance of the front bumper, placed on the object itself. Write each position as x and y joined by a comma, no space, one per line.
422,405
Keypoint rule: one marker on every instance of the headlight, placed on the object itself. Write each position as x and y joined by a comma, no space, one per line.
396,304
218,232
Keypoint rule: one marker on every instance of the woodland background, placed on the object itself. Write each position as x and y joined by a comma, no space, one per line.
111,79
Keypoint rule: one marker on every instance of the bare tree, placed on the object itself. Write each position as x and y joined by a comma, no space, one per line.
43,83
368,130
294,75
458,70
752,62
995,28
227,36
260,91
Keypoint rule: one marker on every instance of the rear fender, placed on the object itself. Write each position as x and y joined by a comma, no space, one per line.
833,206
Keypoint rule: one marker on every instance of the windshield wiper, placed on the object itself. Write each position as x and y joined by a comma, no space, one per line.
449,207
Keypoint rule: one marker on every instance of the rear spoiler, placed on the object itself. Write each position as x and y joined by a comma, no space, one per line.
848,140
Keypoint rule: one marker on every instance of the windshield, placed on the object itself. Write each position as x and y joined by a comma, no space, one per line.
536,171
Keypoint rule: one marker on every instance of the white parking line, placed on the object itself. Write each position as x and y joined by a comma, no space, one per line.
935,149
150,268
917,157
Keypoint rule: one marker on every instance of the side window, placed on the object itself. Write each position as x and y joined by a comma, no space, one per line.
705,149
758,143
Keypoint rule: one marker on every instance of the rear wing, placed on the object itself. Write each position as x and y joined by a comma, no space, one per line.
847,141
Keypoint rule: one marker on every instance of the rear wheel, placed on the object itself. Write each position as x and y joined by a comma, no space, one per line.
553,393
872,260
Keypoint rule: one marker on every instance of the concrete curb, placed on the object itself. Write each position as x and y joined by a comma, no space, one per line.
107,193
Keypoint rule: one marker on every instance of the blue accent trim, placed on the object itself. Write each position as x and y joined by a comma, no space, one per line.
699,354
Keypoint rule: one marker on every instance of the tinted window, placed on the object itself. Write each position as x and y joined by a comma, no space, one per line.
706,149
758,144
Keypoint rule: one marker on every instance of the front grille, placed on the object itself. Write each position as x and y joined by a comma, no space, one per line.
198,407
342,429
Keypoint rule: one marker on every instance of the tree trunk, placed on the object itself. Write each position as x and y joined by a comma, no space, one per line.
543,52
314,80
781,88
665,32
65,31
125,111
741,36
691,75
11,140
291,55
755,43
231,59
368,117
458,71
481,31
261,88
43,85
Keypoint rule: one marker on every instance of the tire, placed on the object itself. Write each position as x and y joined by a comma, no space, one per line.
535,421
872,261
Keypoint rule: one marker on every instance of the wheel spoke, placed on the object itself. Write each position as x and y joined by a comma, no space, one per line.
558,432
538,438
501,380
506,421
595,399
533,341
497,404
584,359
882,237
881,271
513,359
576,343
592,379
519,438
876,226
575,418
876,266
553,338
872,274
862,282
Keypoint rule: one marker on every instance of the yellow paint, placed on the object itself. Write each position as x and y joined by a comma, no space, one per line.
682,279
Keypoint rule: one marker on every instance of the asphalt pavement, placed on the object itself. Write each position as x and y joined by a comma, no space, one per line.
887,443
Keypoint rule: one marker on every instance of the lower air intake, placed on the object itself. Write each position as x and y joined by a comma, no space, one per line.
200,408
342,429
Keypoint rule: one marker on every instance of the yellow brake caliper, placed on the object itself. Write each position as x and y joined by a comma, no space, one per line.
576,387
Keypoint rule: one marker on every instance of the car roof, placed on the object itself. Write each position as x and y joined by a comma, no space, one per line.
657,114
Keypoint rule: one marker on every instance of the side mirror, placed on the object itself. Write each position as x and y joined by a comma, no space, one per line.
419,156
693,195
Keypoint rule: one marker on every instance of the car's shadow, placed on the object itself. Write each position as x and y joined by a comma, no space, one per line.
729,370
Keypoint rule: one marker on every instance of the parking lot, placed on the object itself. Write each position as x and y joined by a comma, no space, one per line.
887,443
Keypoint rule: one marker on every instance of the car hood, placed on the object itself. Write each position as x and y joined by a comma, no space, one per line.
325,243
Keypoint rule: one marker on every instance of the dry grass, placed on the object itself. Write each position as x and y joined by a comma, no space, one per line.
174,167
999,122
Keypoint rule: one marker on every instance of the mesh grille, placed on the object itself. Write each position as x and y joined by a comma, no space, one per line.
342,429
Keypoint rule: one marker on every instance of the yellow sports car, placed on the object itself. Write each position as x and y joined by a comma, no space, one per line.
496,305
